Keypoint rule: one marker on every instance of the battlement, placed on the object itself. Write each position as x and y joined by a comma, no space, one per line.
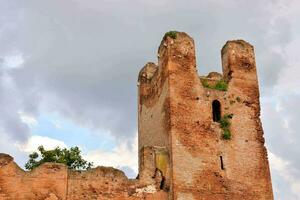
199,137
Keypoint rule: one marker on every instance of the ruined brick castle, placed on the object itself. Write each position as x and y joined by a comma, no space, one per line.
200,138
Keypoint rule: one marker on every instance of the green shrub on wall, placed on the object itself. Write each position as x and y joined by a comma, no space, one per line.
220,85
225,125
226,134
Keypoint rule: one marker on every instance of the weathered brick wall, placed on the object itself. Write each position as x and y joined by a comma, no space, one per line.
153,119
55,182
196,141
45,182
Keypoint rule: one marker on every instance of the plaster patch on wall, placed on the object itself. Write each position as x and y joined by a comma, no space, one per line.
185,196
185,164
147,189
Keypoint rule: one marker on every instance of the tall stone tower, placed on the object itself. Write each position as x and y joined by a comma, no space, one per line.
203,133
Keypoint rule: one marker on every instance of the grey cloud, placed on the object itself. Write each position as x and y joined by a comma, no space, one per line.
281,133
10,122
89,57
82,57
289,137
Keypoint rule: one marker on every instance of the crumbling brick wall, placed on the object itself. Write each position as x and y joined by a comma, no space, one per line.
52,181
203,165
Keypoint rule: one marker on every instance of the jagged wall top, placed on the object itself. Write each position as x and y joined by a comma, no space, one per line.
179,44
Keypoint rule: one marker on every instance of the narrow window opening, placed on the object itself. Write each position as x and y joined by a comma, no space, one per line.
222,164
216,108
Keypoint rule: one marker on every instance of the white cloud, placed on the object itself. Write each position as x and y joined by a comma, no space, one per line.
284,169
278,163
121,156
28,119
35,141
13,61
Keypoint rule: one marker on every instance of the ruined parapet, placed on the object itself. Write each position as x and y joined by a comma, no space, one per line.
52,181
48,180
100,182
239,69
238,60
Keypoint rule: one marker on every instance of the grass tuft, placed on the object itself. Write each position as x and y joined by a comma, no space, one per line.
171,34
221,85
225,125
226,134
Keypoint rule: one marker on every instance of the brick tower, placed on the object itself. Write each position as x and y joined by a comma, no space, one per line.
203,133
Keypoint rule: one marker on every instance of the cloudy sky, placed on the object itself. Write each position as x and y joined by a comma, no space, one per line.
68,72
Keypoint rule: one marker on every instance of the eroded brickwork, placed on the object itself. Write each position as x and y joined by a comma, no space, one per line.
56,182
203,165
182,154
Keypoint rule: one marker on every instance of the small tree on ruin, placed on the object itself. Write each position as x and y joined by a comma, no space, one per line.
70,157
